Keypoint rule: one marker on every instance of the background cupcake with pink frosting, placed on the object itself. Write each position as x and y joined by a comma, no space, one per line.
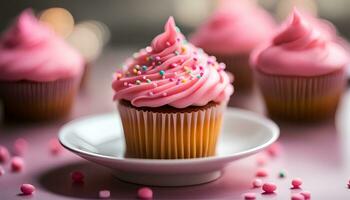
301,72
231,33
39,72
171,98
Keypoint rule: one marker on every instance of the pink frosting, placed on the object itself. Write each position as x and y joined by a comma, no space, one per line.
172,72
300,49
29,50
236,27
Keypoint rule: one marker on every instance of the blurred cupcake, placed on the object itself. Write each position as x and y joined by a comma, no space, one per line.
171,99
231,33
301,72
39,72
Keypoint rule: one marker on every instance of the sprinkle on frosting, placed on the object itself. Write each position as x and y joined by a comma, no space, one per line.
31,51
179,74
302,50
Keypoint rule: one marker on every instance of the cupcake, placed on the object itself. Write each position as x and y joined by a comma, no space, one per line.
231,33
171,97
39,72
301,72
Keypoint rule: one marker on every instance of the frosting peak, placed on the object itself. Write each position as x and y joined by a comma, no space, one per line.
235,27
300,49
172,72
31,51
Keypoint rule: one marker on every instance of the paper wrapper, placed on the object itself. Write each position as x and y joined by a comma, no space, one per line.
171,135
302,98
36,101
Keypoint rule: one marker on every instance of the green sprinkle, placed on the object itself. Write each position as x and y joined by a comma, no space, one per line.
176,52
148,81
144,68
282,174
162,72
199,76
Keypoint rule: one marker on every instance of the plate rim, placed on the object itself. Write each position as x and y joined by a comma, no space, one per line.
230,111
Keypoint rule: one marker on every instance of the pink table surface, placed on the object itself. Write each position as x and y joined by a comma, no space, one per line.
318,153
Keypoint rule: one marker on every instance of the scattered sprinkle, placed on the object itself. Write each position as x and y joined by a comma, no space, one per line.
4,154
261,172
77,177
257,183
171,79
173,64
269,188
297,196
137,66
145,193
282,174
261,159
296,183
306,194
274,150
27,189
138,82
55,146
104,194
144,68
249,196
161,72
148,81
176,52
168,43
157,58
17,164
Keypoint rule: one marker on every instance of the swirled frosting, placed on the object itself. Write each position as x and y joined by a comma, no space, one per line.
236,27
300,50
31,51
172,72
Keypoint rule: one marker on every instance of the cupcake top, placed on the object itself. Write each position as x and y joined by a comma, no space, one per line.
172,72
299,49
236,27
31,51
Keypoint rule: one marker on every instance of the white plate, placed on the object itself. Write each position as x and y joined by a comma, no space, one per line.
100,139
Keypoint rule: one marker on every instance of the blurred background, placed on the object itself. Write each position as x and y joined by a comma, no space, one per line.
135,22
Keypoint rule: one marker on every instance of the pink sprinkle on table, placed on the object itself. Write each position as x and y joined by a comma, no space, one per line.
104,194
306,194
261,172
297,196
77,177
261,159
27,189
55,146
249,196
296,183
17,164
4,154
269,188
20,146
274,150
257,183
145,193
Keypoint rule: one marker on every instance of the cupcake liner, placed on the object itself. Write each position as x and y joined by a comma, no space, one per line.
302,98
171,135
33,101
